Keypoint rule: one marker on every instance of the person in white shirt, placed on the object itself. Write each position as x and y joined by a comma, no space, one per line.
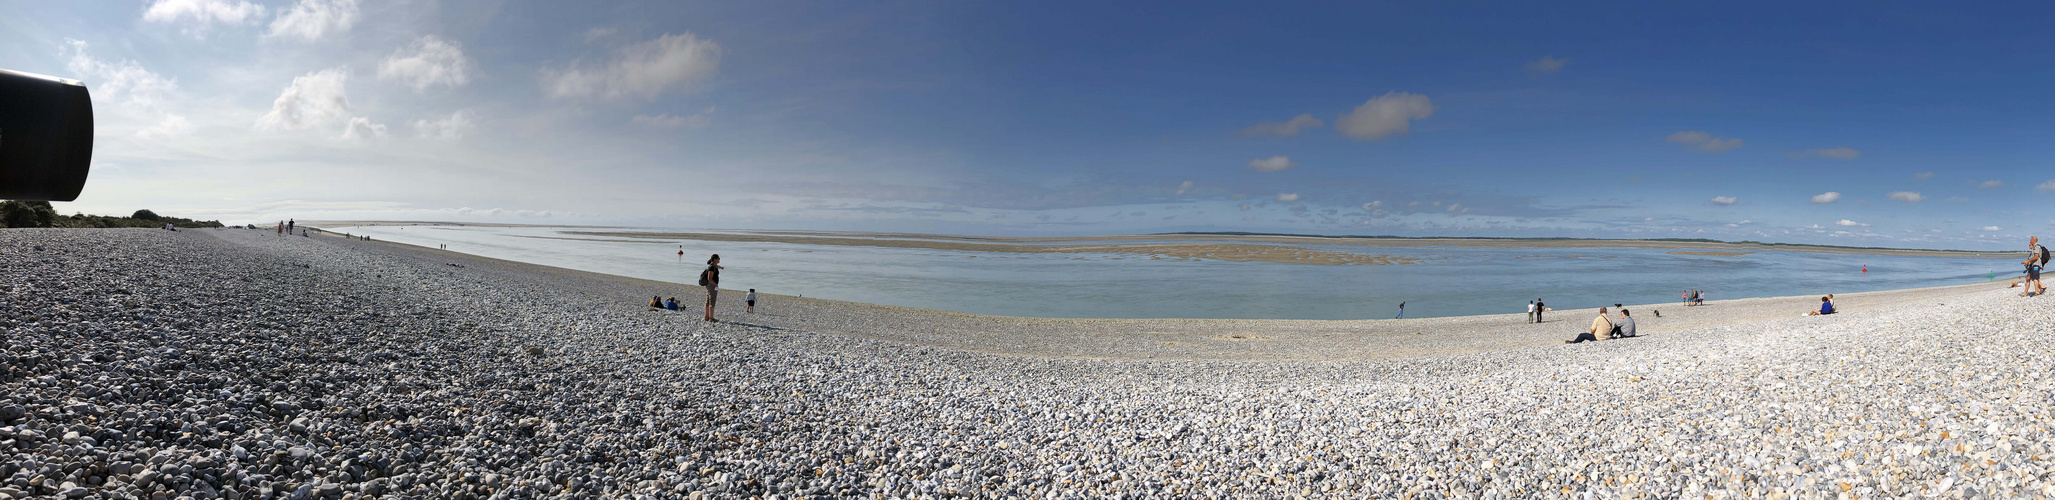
750,301
1530,311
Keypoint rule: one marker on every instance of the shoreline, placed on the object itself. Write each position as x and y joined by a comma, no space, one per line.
1239,339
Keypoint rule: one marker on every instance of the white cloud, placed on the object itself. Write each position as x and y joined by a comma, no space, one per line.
361,128
1704,142
1991,184
1725,200
694,121
1182,188
2045,186
1993,228
1826,197
1457,208
427,62
1743,222
1272,164
198,14
1373,205
1836,153
1383,116
121,79
315,99
1284,129
1850,223
1924,175
310,20
641,70
1287,197
453,126
1546,65
595,34
171,126
1906,196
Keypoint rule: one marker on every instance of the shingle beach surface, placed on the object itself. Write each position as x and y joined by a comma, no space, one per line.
237,364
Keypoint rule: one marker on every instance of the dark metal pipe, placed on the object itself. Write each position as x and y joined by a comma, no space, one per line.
46,137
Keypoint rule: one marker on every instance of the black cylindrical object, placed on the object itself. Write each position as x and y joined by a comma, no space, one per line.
46,137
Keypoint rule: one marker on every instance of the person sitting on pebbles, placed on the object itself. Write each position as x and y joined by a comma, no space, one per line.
1601,329
656,302
1826,307
1625,327
671,303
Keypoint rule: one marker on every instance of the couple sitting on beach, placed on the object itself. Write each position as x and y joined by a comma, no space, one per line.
1826,307
1604,328
660,303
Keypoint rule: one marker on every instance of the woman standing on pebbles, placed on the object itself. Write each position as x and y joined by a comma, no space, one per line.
711,279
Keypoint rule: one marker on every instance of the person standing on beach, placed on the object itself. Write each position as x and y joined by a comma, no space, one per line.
1402,311
2036,258
749,302
1539,307
289,226
1530,311
711,279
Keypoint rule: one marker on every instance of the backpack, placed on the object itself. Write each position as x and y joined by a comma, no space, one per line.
2044,256
702,279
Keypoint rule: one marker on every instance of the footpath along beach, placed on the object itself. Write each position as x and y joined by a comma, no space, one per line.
237,364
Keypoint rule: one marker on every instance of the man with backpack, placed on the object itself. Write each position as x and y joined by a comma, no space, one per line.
2036,258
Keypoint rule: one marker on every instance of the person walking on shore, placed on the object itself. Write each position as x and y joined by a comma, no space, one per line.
2036,258
1402,311
711,279
1530,311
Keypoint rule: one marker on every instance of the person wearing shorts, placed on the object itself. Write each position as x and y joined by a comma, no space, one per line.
750,302
711,279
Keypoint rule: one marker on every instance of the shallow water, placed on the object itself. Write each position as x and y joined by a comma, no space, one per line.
1449,281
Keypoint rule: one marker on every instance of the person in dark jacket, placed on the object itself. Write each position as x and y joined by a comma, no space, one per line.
711,279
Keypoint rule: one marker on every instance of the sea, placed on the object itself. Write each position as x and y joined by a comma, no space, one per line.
1446,281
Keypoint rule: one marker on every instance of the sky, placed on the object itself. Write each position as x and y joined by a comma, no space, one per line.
1915,125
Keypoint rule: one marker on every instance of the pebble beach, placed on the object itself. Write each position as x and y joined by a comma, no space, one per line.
141,363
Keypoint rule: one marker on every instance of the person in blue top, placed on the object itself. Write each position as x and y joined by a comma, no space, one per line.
1826,308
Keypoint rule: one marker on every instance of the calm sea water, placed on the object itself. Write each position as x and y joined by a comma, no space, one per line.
1449,281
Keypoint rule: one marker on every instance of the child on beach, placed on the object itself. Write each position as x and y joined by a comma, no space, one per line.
749,302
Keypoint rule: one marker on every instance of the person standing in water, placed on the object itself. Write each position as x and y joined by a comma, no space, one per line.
711,279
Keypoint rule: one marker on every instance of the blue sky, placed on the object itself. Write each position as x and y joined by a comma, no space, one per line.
1903,125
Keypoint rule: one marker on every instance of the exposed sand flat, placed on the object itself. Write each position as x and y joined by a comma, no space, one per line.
1213,251
786,236
875,239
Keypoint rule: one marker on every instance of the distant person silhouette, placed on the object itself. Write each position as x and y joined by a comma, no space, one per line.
289,226
750,302
1402,311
